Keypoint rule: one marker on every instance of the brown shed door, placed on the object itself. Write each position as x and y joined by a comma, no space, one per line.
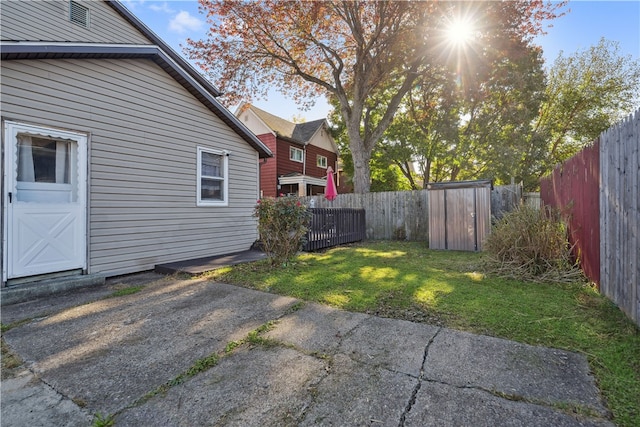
461,229
459,218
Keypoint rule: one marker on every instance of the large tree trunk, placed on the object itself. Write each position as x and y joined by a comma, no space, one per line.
361,169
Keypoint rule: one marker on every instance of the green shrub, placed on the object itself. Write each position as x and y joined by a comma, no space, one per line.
282,224
530,244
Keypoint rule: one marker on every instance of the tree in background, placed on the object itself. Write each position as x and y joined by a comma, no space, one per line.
385,175
366,55
472,126
515,120
586,93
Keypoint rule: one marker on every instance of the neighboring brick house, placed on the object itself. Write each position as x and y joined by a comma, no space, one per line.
301,153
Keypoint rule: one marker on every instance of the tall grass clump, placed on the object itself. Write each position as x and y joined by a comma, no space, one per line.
282,224
531,245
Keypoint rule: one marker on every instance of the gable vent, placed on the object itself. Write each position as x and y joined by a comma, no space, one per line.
78,14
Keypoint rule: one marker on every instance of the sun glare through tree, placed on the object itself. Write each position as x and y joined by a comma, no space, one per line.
460,32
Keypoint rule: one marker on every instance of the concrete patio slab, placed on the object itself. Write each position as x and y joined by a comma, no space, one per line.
439,404
316,328
396,345
514,369
320,366
253,387
27,401
110,353
357,394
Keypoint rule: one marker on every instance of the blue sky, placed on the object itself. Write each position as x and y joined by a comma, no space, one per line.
588,21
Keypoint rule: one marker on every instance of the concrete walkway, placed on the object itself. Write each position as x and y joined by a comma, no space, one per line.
197,353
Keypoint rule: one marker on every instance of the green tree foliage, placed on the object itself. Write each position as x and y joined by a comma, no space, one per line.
366,55
472,123
506,117
586,93
385,174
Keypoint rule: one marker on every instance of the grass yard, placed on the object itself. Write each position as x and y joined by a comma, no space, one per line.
408,281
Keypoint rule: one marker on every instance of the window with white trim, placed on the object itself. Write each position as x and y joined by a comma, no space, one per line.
213,177
321,161
296,154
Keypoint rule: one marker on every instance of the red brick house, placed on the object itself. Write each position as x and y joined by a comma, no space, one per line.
301,153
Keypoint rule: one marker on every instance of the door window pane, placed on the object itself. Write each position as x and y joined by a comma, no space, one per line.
43,160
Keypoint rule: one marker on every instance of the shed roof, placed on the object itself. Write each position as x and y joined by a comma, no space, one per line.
460,184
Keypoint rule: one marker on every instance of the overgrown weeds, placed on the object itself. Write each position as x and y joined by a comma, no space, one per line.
531,245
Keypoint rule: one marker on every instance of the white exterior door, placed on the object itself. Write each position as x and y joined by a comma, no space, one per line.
45,200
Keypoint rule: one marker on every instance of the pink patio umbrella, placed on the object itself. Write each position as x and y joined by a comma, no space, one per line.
330,192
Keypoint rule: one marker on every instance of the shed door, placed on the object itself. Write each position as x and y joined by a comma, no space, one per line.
459,218
45,194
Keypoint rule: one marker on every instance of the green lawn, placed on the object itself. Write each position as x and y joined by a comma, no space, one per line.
406,280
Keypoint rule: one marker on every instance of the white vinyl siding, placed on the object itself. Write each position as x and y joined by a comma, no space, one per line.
144,131
49,21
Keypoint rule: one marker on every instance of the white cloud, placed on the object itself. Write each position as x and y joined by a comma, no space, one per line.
132,5
164,7
184,22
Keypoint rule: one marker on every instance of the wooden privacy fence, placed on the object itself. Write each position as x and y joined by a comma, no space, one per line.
620,215
572,188
598,190
391,215
333,226
505,198
404,215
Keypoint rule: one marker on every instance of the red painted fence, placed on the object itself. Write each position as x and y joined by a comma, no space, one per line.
573,188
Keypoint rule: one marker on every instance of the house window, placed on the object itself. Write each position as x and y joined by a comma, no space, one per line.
296,154
213,177
78,14
321,161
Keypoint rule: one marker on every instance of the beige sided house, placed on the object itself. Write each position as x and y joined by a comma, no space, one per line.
116,154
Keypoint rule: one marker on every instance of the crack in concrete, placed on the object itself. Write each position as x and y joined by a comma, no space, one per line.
416,389
573,409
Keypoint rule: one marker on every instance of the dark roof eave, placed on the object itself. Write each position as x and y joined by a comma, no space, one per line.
18,50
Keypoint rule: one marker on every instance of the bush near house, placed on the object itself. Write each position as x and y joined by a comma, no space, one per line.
282,224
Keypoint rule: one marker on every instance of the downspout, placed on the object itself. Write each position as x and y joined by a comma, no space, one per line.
304,160
304,170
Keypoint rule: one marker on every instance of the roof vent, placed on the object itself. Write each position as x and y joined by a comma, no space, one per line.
78,14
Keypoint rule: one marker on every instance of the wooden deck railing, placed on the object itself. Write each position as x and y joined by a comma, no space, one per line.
335,226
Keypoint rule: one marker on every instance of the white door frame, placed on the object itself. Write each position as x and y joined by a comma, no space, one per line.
11,130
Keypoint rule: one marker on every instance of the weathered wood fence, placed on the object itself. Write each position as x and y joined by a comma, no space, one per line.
599,190
331,227
404,215
505,198
620,215
391,215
